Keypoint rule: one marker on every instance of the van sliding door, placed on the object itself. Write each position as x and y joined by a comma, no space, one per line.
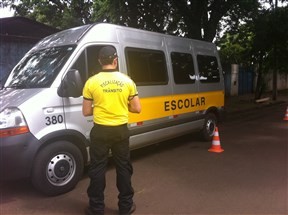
185,91
148,69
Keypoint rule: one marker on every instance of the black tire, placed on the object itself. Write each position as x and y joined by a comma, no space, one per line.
209,126
57,168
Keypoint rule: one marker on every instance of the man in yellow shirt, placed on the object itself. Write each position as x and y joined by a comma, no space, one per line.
109,96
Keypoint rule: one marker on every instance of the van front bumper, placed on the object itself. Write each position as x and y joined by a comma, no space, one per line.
16,156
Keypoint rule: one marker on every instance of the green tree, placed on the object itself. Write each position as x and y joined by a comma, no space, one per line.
60,14
198,19
236,47
271,43
261,42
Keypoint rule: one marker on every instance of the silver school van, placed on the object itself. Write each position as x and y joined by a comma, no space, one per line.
44,135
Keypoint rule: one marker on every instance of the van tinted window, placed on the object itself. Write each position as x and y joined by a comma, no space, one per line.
208,69
146,67
183,68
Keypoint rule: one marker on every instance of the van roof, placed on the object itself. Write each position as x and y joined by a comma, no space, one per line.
101,32
65,37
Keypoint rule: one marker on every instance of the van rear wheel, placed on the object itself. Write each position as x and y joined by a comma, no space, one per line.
57,168
209,126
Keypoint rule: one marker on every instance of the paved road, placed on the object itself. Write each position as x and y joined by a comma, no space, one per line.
181,177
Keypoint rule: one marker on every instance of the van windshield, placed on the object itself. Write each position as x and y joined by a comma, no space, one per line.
39,69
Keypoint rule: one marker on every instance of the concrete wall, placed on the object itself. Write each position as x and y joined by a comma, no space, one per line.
234,79
233,85
282,81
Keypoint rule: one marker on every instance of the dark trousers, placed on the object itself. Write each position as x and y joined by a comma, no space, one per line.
104,139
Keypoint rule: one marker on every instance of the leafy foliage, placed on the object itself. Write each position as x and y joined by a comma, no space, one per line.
264,37
198,19
261,42
60,14
236,47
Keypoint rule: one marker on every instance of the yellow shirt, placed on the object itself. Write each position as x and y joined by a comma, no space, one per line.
110,92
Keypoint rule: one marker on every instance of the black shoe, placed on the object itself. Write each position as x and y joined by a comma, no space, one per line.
91,211
131,211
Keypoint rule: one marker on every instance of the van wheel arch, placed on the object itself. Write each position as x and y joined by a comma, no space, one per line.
71,136
57,168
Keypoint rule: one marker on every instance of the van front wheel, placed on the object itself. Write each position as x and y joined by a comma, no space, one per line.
208,129
57,168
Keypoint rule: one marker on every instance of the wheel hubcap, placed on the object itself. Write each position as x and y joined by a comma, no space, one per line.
61,169
210,126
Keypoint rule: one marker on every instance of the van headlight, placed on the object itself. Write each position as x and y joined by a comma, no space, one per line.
12,122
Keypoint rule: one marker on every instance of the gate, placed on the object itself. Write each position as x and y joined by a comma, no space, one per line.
245,81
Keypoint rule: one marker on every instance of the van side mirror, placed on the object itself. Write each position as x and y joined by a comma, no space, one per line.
71,85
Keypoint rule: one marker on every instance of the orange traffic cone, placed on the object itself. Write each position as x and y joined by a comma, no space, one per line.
216,147
286,115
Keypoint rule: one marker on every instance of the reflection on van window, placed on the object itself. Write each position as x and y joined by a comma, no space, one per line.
146,67
39,69
183,68
208,69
